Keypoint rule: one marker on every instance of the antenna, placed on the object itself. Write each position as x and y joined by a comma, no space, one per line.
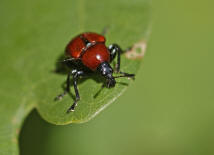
126,75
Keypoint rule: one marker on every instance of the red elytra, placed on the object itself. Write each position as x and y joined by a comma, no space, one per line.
94,54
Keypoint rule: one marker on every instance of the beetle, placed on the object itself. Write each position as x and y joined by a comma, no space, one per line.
87,53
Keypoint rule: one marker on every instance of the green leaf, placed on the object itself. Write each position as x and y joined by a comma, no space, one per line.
33,38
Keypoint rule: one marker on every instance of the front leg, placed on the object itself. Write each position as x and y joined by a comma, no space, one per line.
114,50
76,74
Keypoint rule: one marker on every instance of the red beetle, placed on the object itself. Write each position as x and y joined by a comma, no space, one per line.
87,53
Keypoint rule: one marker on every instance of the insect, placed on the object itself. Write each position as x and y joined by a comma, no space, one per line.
87,53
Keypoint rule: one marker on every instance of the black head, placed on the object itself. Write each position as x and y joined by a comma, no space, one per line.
106,71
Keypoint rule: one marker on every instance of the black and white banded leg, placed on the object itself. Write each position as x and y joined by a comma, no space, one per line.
116,50
75,74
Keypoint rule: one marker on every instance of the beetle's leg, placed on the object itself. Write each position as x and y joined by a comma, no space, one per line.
76,74
116,50
67,90
68,60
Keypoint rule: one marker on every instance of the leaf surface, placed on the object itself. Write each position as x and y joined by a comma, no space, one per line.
33,38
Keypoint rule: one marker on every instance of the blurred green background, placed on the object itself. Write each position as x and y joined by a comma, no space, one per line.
167,110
